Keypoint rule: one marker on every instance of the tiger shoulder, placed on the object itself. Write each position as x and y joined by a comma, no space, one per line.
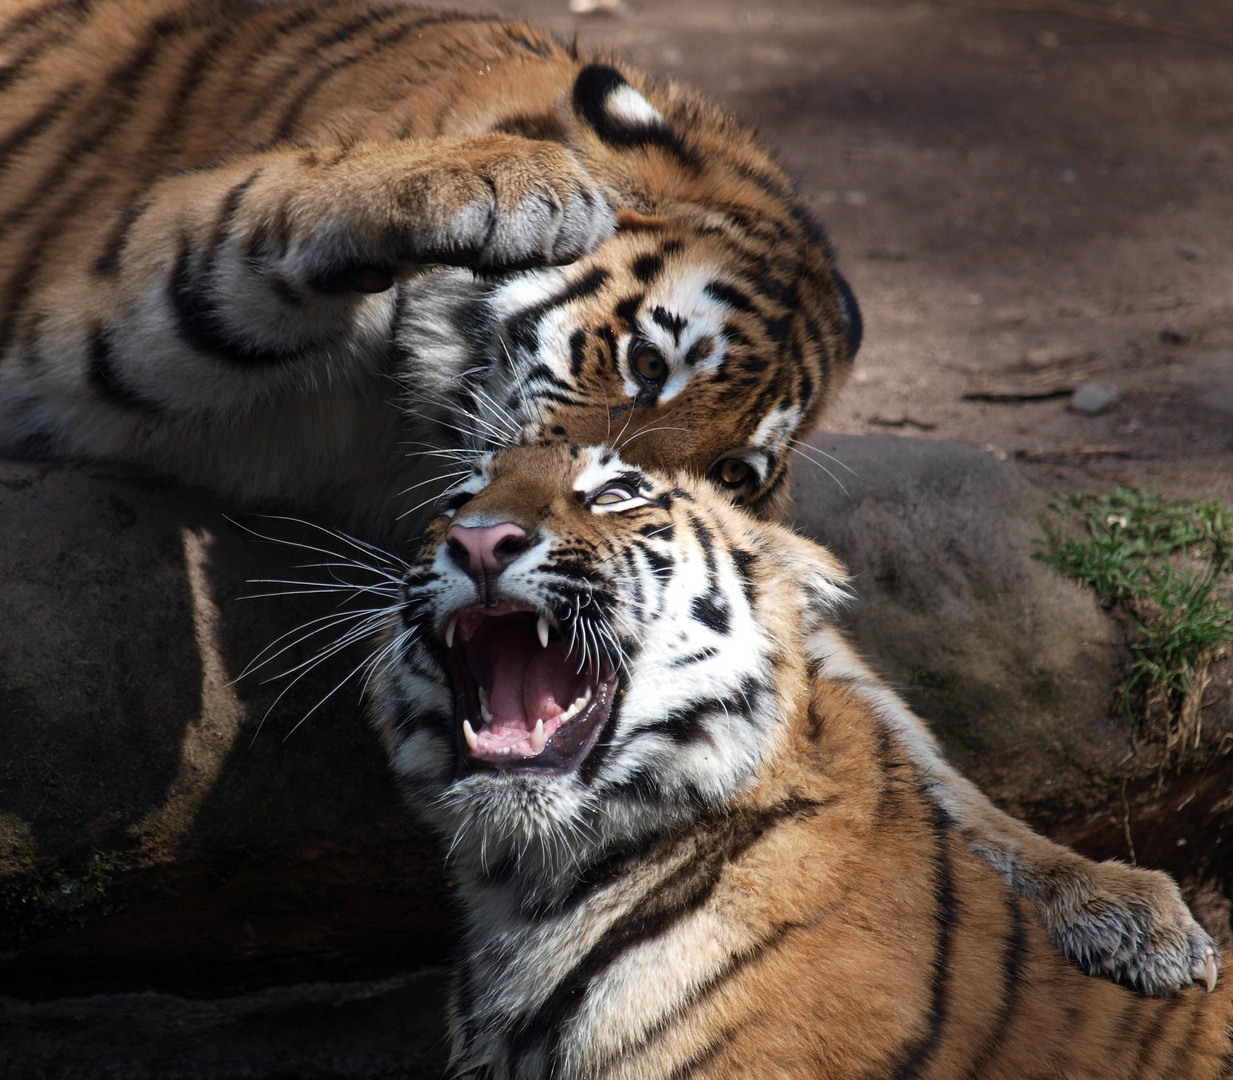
690,839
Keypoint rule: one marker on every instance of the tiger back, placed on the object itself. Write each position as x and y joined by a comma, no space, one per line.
689,842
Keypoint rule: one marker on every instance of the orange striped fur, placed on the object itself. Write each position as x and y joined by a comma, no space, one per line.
745,884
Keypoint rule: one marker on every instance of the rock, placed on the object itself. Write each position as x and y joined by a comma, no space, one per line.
390,1029
1091,398
155,833
1011,663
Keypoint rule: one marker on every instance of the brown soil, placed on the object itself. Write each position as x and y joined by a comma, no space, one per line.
1022,200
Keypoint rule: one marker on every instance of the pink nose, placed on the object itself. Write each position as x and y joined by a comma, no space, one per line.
484,551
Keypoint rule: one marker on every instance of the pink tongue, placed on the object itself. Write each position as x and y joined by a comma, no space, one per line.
528,682
551,684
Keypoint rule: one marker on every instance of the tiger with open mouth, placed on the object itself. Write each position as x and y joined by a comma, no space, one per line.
300,253
693,835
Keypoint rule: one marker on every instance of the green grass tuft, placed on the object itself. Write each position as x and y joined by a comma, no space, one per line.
1161,563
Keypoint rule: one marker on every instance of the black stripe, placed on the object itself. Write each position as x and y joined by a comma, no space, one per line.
854,323
756,953
647,268
701,1058
105,380
626,310
674,324
744,561
735,298
201,325
700,350
202,60
699,657
946,906
275,40
594,84
34,126
523,328
711,610
577,352
718,843
1014,957
542,49
293,111
121,85
606,335
1147,1034
23,280
109,261
758,505
51,36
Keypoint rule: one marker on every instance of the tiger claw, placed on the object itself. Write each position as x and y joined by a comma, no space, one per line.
1207,971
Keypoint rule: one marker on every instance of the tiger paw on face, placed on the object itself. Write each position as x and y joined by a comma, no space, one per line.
504,203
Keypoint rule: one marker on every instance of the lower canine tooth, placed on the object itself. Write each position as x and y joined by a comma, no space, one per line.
468,733
538,739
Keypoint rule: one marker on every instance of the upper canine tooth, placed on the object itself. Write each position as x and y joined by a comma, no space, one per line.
468,733
541,628
538,739
450,627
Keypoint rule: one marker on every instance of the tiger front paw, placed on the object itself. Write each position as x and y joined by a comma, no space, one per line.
1130,925
511,207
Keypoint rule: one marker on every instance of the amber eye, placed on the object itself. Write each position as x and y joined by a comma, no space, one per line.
610,496
732,472
647,361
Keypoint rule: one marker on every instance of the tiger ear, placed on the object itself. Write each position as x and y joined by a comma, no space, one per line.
823,579
619,114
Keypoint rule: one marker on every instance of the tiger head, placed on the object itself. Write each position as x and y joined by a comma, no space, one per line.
586,653
708,332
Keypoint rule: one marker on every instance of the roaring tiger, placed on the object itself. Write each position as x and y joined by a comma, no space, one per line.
692,835
302,253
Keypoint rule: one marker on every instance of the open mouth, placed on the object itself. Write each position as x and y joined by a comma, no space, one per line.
524,699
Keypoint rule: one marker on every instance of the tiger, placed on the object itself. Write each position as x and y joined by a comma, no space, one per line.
304,254
690,832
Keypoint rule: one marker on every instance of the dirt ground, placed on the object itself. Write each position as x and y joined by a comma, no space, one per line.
1024,201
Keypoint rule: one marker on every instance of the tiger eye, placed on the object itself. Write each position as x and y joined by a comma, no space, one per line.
647,361
733,471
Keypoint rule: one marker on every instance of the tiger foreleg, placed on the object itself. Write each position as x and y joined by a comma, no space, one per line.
224,292
1110,919
1127,923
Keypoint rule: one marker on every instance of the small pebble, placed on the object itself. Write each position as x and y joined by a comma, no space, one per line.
1091,398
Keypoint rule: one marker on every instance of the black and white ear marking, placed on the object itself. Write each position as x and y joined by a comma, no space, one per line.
853,323
619,114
